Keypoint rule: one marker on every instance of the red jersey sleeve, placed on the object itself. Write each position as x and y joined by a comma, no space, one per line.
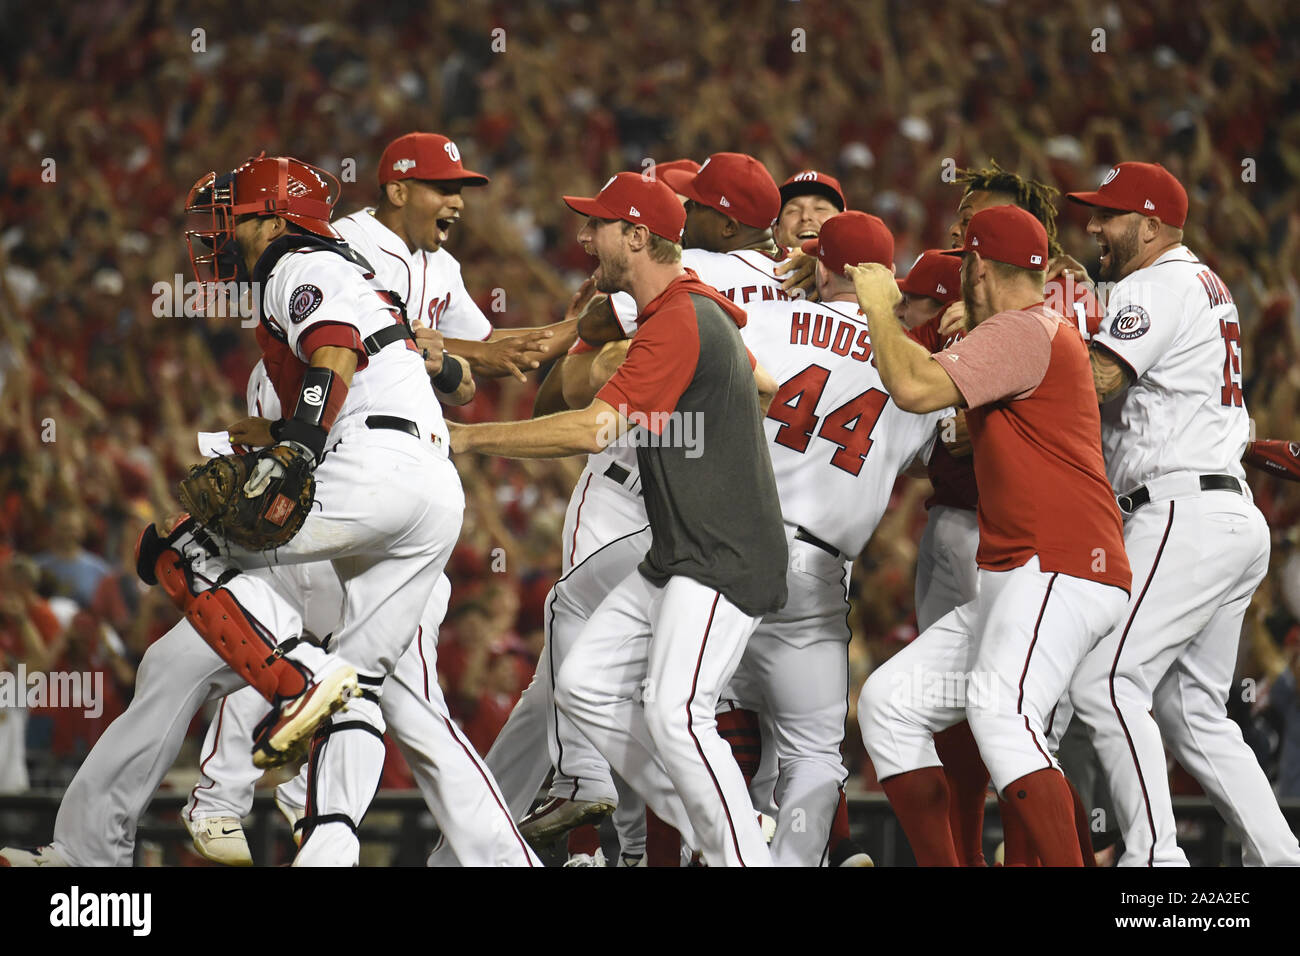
659,366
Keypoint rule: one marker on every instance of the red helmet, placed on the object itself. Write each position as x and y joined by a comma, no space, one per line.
264,186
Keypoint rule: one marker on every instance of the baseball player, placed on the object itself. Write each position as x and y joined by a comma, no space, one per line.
421,182
837,444
346,363
808,199
1033,428
1167,365
672,632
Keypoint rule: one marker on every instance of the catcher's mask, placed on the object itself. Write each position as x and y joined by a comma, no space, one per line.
262,186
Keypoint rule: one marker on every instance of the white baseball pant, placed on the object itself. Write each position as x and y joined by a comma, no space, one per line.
795,673
457,788
1197,560
602,519
1002,661
643,684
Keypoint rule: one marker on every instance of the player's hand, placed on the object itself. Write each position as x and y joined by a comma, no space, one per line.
954,320
512,355
430,343
1068,265
955,435
253,432
800,271
875,287
586,295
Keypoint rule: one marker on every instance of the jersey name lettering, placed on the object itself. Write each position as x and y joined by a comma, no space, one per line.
1214,288
821,331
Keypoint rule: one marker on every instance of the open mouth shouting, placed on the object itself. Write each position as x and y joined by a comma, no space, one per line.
444,225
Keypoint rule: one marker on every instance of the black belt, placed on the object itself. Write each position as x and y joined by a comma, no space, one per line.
386,336
803,534
618,474
1134,500
396,424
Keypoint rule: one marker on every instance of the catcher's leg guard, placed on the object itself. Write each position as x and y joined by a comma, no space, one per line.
245,646
221,621
347,757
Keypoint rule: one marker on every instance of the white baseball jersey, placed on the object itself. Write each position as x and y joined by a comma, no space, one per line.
313,300
745,276
1175,325
836,439
429,283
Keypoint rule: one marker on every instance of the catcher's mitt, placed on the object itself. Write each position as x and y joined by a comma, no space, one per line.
283,491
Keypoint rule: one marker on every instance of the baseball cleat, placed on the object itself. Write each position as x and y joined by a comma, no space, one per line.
631,859
587,859
39,856
291,812
849,853
768,826
285,734
558,816
219,839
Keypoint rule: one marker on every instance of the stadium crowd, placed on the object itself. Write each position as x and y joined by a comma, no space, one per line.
101,396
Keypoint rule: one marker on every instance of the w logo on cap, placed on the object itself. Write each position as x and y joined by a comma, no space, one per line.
807,177
452,151
1110,175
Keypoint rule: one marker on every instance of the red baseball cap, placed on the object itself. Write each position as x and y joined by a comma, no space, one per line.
1146,188
935,275
812,183
849,239
734,184
633,198
1006,234
425,156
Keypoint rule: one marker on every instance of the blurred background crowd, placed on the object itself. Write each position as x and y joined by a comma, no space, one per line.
113,109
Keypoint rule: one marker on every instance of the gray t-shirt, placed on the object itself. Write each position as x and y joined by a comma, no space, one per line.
688,385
